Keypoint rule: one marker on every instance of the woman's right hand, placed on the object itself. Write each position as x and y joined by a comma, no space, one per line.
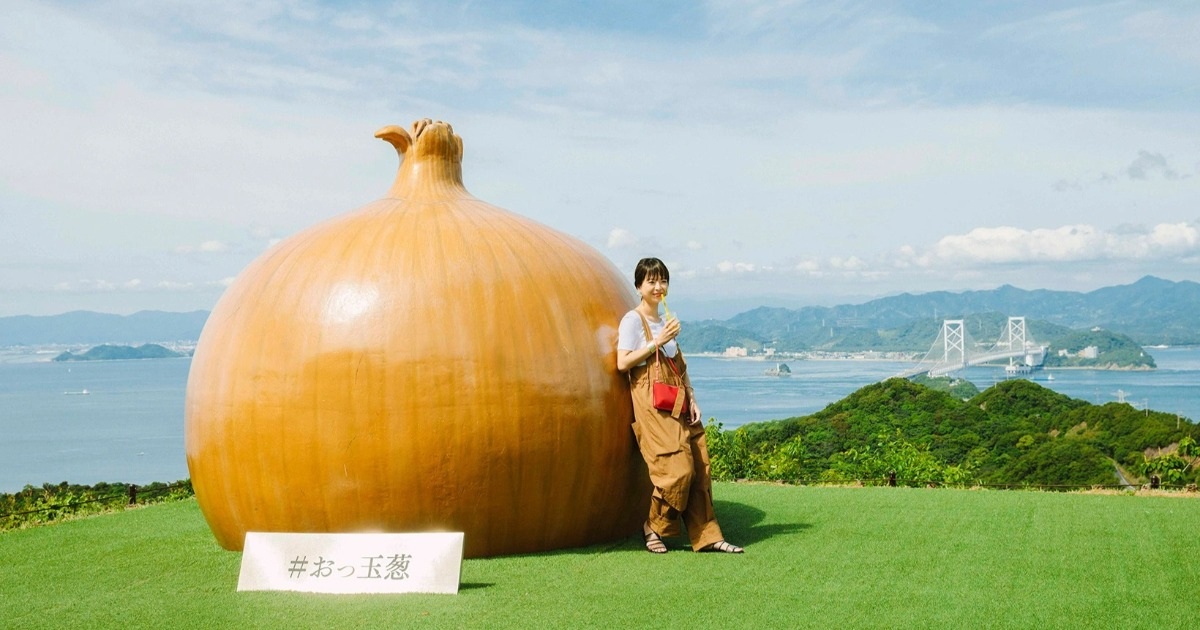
670,331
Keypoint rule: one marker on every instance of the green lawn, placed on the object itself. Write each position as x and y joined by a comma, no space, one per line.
816,557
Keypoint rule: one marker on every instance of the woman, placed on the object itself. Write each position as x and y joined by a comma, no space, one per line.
673,447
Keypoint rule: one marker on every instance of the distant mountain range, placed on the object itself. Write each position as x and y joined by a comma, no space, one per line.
1151,311
89,328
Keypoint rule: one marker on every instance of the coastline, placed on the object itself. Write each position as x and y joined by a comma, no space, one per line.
1108,367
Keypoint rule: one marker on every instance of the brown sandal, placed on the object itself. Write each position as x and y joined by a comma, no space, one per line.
723,547
654,542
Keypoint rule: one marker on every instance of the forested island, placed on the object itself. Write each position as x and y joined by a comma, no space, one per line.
1013,434
1098,349
117,353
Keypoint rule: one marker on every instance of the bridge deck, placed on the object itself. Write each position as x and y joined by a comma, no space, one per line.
942,369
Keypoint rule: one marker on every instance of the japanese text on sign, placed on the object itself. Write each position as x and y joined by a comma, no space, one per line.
352,563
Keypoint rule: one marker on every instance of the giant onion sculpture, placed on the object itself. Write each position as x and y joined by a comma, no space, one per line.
427,362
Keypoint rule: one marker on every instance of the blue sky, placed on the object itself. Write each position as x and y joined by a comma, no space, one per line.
772,152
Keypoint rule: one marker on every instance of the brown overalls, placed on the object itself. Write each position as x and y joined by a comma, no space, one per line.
676,454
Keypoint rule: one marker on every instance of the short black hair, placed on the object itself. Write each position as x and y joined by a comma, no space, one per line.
651,268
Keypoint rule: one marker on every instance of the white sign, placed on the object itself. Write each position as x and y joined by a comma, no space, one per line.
352,563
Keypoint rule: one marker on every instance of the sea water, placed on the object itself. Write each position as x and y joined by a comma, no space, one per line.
128,427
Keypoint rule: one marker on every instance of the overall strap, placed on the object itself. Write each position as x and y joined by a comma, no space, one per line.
659,356
650,337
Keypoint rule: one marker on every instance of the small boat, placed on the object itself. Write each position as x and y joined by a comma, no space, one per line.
1049,377
779,370
83,392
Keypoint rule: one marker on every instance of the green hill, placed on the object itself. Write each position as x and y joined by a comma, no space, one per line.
1012,434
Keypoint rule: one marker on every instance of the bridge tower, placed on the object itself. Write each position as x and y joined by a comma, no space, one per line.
1016,333
954,340
953,334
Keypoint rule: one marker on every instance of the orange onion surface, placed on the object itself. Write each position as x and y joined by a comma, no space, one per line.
428,362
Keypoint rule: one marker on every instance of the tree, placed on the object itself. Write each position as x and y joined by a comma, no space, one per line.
1175,468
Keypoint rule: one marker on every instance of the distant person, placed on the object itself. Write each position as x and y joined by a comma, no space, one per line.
674,447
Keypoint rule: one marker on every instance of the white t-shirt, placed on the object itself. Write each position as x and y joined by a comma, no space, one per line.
631,336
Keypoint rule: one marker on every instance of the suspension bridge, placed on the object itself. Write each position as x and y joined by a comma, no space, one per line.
954,349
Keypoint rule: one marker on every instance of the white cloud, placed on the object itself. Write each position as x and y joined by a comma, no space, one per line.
727,266
1148,164
172,285
619,238
1064,185
138,286
1070,243
207,247
848,263
94,285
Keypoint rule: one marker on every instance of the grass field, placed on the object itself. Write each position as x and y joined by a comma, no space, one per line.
816,557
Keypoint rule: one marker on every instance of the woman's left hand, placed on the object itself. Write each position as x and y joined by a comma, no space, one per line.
695,412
